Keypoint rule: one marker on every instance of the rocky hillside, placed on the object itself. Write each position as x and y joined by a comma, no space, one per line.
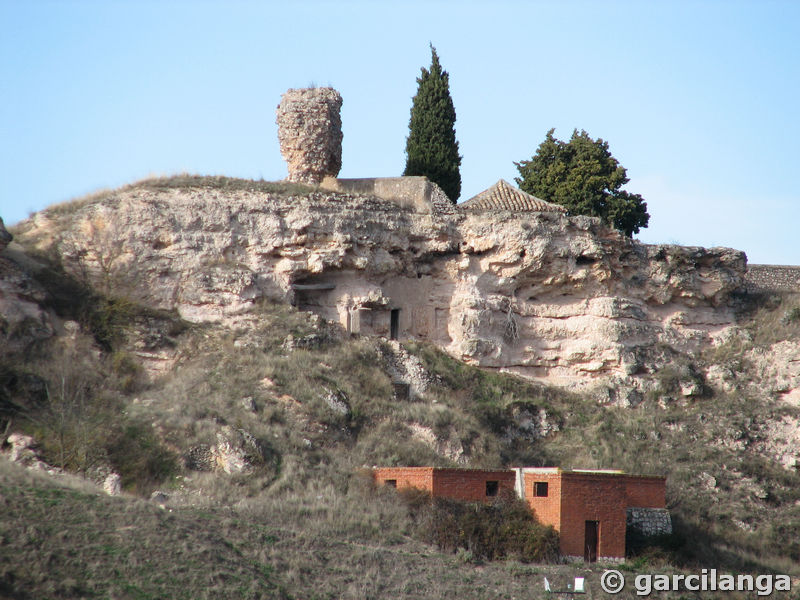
561,300
149,335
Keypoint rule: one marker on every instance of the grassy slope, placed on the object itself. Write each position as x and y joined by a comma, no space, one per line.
326,536
72,542
303,522
66,540
62,539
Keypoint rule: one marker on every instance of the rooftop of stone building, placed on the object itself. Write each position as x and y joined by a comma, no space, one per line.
504,196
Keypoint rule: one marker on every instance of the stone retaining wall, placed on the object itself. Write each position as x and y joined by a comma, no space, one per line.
415,193
773,278
650,521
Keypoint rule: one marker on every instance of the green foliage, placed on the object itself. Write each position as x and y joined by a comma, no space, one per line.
137,455
106,317
482,531
128,371
431,147
79,421
583,176
220,182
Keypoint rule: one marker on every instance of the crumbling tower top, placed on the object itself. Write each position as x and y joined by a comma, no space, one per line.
310,133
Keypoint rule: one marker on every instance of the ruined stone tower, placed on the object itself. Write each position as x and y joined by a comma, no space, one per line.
310,133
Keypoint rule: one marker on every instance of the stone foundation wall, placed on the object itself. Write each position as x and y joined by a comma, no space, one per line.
773,278
415,193
650,521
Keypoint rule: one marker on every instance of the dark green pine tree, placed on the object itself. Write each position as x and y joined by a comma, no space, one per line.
431,147
584,177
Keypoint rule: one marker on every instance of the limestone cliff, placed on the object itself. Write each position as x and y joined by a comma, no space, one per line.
560,299
22,318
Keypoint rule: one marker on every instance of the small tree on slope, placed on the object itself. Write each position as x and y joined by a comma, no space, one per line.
431,147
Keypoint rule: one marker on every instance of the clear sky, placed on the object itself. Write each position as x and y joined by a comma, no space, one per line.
698,100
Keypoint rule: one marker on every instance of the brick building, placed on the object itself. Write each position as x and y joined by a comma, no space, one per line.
471,485
591,509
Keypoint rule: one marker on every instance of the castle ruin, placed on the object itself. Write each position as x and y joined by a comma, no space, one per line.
310,133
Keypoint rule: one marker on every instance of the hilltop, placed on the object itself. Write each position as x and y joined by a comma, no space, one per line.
226,342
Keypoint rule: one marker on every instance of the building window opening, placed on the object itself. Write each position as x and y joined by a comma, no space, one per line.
492,487
390,483
540,489
394,324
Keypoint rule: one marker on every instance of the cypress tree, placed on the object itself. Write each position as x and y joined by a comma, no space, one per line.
431,147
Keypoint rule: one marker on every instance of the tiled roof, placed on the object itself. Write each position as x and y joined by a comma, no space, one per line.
504,196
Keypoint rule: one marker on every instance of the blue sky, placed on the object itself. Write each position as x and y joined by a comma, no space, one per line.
698,100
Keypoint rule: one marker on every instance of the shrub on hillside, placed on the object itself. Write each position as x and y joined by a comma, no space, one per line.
79,422
504,528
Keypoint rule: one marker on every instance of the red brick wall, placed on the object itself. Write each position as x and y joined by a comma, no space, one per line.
572,499
461,484
588,497
547,509
406,477
645,492
469,484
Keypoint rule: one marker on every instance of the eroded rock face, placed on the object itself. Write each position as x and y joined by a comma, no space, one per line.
23,451
310,133
112,484
23,320
5,236
563,300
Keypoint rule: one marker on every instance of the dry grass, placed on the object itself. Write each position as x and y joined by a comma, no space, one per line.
182,181
66,541
779,320
61,542
310,506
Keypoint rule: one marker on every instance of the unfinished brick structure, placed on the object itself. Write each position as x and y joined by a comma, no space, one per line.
590,509
471,485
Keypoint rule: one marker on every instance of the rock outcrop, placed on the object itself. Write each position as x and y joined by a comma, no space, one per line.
564,300
310,133
236,451
112,484
5,236
23,320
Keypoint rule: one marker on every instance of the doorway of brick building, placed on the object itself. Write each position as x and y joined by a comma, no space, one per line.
394,324
591,541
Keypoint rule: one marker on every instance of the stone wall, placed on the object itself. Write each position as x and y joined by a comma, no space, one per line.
415,193
773,278
650,521
310,133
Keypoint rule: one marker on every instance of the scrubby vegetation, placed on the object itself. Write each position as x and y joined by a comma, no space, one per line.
476,531
321,406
